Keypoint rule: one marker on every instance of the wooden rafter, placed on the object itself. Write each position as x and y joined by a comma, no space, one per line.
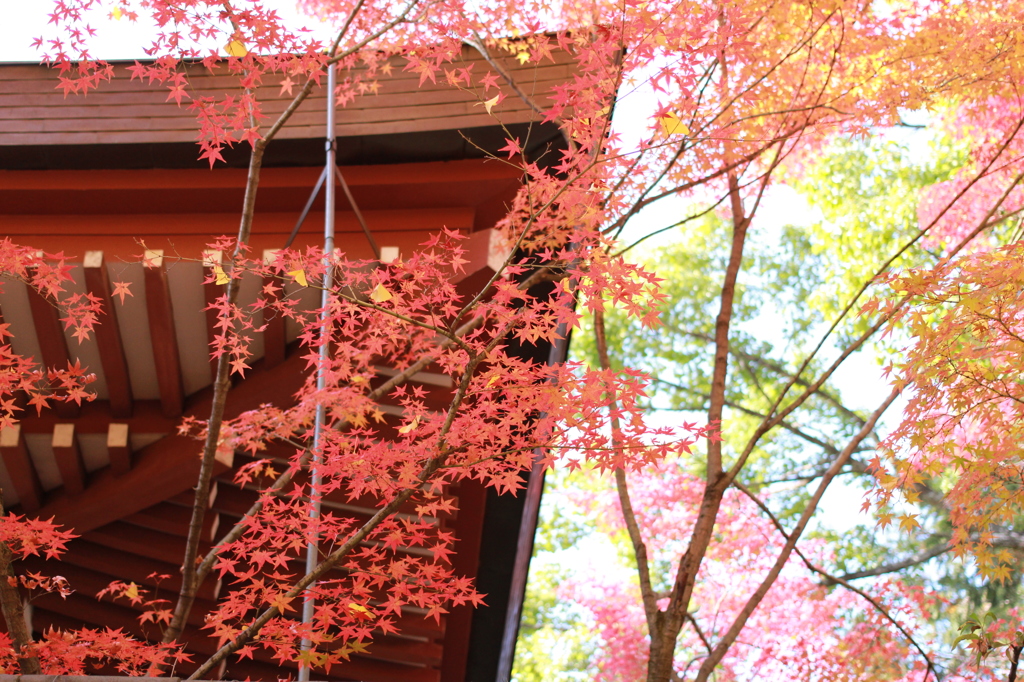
19,467
108,336
94,417
212,290
274,340
170,465
69,458
119,448
52,344
162,333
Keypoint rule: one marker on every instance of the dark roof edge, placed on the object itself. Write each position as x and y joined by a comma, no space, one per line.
542,141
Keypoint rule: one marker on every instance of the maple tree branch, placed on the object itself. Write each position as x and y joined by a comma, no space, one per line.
985,223
432,466
222,383
782,371
727,640
288,475
716,400
884,569
14,611
843,580
221,387
650,599
300,586
478,44
830,448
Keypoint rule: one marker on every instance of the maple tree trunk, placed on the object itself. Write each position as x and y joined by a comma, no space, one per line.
14,610
660,667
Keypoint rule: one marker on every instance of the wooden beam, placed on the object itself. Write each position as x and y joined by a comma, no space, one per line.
275,343
19,467
69,458
174,519
212,291
143,542
131,567
108,336
52,344
95,418
162,333
468,528
88,582
119,448
170,465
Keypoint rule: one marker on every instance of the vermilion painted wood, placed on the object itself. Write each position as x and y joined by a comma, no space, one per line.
468,528
52,344
119,448
130,567
19,467
163,337
211,292
88,583
274,340
95,417
108,336
170,465
141,541
173,519
69,458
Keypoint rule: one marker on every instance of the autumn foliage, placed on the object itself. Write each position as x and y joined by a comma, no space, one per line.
731,93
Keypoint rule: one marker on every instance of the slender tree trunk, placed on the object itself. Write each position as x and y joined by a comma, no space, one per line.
670,623
14,610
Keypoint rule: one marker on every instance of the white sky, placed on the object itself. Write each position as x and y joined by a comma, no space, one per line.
25,20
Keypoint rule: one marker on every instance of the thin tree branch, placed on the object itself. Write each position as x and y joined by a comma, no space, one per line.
838,580
650,600
727,640
884,569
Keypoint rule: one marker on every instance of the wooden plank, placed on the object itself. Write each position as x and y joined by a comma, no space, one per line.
275,342
143,542
108,336
162,334
130,567
280,223
95,418
133,121
119,449
211,292
173,519
171,465
52,344
387,175
465,562
105,105
69,458
19,467
87,583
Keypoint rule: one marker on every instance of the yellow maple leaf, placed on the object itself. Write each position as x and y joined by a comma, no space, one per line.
380,294
236,48
299,276
132,591
117,13
410,426
222,277
489,104
672,124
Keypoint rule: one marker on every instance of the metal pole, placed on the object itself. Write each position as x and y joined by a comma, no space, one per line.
312,552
